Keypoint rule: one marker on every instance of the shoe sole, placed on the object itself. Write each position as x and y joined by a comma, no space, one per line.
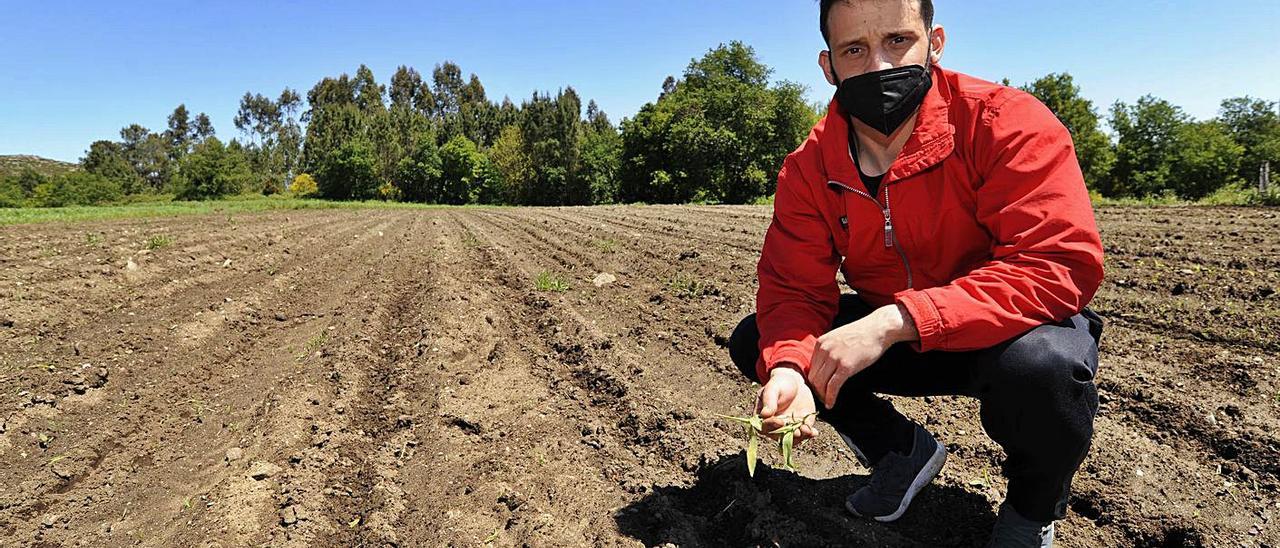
926,475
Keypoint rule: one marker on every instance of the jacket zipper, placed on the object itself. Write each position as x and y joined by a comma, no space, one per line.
890,237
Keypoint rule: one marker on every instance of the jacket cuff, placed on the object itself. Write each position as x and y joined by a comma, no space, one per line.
926,317
798,353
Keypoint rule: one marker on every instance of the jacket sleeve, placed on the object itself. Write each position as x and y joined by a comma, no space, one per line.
798,296
1047,255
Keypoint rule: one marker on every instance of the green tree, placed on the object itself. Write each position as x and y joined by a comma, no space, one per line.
1254,124
203,128
410,92
418,175
1161,150
76,188
513,168
1093,148
719,134
11,193
213,170
601,156
28,179
1207,160
148,154
180,133
349,172
1147,137
106,158
550,128
460,163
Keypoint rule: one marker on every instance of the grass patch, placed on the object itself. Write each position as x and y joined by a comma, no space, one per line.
550,281
686,286
470,240
607,245
314,344
168,208
1230,195
159,241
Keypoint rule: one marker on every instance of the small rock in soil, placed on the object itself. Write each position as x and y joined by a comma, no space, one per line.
234,454
263,470
288,516
604,278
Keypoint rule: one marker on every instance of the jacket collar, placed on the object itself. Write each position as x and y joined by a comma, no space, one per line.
931,141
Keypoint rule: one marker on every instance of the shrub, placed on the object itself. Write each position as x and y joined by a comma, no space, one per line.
303,186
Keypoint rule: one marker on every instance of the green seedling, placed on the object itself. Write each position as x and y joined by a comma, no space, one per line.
607,245
159,241
687,287
754,426
547,281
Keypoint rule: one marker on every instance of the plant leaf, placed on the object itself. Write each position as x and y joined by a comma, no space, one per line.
788,440
753,444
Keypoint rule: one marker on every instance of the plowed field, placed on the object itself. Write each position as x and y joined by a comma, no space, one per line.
454,377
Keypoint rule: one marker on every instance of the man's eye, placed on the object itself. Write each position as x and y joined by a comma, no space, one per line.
899,40
853,51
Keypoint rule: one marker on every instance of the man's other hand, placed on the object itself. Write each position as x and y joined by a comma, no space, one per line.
842,352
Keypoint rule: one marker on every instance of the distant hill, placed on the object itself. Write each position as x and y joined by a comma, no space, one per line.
14,164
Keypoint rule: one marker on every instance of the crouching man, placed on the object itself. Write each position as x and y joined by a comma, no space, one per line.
956,210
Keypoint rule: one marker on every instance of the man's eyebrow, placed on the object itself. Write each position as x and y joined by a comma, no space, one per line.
852,42
902,32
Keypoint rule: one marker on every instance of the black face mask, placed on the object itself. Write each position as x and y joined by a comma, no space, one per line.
885,99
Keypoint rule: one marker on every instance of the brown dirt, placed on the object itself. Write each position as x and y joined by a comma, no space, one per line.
393,378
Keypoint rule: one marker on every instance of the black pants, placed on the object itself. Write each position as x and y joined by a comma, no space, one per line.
1037,393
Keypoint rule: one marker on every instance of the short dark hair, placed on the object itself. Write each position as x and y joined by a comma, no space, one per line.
824,7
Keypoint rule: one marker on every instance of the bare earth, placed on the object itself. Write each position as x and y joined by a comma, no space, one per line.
393,378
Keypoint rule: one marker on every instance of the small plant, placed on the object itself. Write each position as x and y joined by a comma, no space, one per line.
686,286
754,425
198,409
607,245
92,239
158,241
314,344
470,240
549,281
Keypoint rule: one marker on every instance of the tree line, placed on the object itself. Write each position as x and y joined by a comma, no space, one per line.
717,134
1156,149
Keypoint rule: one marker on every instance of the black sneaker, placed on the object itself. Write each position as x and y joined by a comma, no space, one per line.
897,478
1014,531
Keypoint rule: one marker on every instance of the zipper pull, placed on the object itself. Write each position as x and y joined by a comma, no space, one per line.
888,230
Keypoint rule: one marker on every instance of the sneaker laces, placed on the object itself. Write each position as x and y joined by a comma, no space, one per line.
892,476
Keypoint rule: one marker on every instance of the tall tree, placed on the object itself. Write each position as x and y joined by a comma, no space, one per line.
148,154
107,158
719,134
1161,150
1254,124
180,132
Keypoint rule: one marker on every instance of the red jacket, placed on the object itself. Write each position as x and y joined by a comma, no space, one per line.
982,228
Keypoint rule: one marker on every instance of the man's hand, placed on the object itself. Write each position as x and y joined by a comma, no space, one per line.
841,353
786,398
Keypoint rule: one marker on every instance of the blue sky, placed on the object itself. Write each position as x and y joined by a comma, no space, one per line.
75,72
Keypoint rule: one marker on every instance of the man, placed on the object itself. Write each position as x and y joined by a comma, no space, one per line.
956,210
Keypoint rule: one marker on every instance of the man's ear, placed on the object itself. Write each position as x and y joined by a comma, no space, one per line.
824,61
937,42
